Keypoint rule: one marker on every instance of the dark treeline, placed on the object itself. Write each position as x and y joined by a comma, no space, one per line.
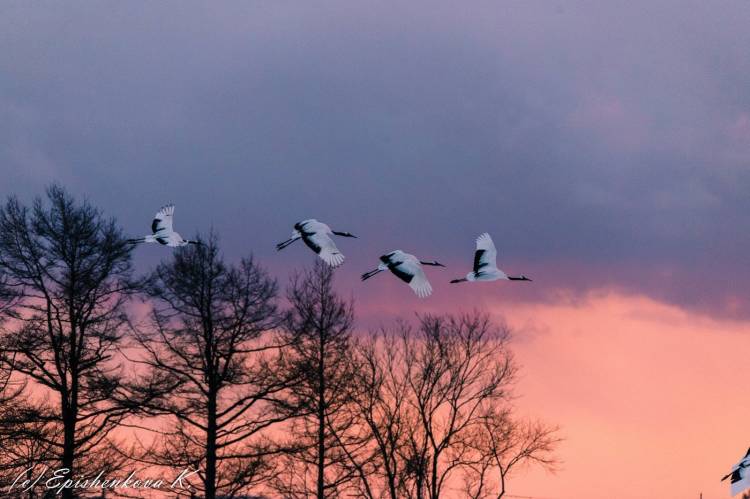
260,392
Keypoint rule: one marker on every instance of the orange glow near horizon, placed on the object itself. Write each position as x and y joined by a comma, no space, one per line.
649,397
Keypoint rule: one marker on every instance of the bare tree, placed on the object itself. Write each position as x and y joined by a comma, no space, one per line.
319,327
23,432
502,444
70,270
382,414
212,356
434,404
456,367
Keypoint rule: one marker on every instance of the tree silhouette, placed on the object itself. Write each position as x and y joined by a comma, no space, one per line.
71,272
318,328
225,384
434,406
500,445
211,355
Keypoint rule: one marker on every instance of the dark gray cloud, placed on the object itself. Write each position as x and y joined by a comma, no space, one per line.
603,144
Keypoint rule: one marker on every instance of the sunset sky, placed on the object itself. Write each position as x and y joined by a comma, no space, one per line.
604,145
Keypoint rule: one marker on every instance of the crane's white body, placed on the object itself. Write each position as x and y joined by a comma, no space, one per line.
317,236
485,263
162,230
406,267
740,475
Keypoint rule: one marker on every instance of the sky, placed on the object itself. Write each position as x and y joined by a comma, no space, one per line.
604,145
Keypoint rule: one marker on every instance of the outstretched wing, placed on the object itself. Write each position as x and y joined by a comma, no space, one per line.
486,255
327,250
420,284
300,226
410,271
317,237
162,222
392,257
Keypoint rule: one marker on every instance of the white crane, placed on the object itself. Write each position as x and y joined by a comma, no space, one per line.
408,268
317,236
485,264
739,478
162,232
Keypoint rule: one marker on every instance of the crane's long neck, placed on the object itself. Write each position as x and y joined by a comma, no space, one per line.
518,278
343,234
434,264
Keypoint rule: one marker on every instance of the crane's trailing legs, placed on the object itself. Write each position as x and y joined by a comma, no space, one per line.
371,273
289,241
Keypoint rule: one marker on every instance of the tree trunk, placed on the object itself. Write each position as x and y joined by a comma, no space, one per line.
392,485
210,484
434,485
69,433
321,421
502,486
69,416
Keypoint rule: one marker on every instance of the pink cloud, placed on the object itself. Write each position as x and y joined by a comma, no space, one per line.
647,395
739,129
609,118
